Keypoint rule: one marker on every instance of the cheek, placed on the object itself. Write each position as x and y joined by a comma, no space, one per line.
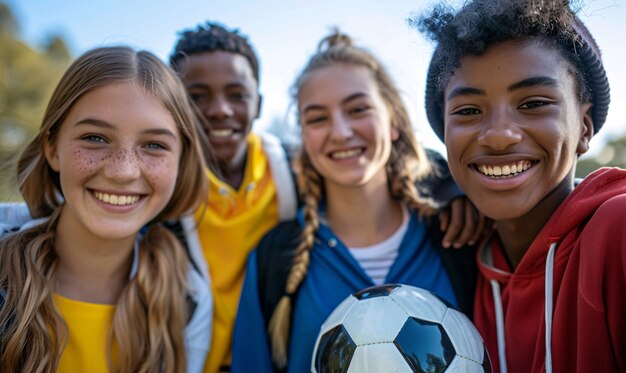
161,171
312,140
84,163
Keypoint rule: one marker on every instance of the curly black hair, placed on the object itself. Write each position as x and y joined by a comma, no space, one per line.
212,37
480,24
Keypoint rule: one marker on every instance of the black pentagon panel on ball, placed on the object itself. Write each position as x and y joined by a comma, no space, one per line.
376,291
335,351
425,346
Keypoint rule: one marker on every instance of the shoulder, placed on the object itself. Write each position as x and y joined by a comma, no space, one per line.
278,240
13,217
608,222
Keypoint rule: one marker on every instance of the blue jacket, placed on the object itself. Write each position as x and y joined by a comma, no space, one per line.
333,274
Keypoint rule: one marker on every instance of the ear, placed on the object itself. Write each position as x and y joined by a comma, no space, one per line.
50,151
258,107
586,131
395,134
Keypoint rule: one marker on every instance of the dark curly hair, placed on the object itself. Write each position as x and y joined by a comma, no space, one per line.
212,37
480,24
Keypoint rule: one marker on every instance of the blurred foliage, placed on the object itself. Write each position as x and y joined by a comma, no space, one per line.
612,154
27,77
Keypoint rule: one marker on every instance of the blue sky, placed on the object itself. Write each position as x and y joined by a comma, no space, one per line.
286,32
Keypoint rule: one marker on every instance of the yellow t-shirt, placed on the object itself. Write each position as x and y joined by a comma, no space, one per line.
89,325
229,229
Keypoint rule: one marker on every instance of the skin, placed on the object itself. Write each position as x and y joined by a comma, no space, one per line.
347,135
516,104
117,140
223,86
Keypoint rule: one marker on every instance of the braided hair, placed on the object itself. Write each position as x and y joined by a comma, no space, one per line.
406,165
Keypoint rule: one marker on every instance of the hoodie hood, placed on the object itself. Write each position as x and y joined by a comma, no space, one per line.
585,199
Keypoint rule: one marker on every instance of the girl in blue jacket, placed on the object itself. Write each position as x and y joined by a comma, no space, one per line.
362,175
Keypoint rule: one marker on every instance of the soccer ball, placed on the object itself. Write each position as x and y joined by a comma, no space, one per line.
398,328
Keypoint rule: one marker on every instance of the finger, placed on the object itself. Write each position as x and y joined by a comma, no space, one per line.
444,219
455,222
469,225
481,227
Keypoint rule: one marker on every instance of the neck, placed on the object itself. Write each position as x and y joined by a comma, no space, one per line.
91,269
364,215
518,234
233,170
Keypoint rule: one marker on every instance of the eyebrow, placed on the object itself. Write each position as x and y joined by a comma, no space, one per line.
344,101
200,85
104,124
537,81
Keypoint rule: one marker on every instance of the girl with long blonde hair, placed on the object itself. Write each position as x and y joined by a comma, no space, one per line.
96,282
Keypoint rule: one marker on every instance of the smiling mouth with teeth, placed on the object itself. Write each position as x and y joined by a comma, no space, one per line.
509,170
221,132
346,153
117,200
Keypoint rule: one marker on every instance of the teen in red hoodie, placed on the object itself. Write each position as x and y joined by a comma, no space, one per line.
517,89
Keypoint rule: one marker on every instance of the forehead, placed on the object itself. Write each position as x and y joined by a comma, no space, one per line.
510,62
127,105
217,66
336,82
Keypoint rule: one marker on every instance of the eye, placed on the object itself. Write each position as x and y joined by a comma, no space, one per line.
534,104
156,146
239,96
466,111
314,119
197,97
359,109
93,138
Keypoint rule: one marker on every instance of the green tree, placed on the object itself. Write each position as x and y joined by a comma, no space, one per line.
613,154
27,77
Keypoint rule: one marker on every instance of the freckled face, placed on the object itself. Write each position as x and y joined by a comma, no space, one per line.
346,126
513,129
117,156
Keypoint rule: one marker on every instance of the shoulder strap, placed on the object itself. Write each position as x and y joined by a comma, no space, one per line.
275,254
281,171
460,264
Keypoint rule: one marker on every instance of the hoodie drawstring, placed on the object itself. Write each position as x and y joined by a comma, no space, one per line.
548,304
497,303
549,299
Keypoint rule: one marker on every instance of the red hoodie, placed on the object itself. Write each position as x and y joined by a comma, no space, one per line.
588,332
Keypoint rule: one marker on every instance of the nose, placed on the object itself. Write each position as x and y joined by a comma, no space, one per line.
123,166
499,130
218,108
340,128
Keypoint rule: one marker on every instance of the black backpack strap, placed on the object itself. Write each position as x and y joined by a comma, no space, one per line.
460,264
275,255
